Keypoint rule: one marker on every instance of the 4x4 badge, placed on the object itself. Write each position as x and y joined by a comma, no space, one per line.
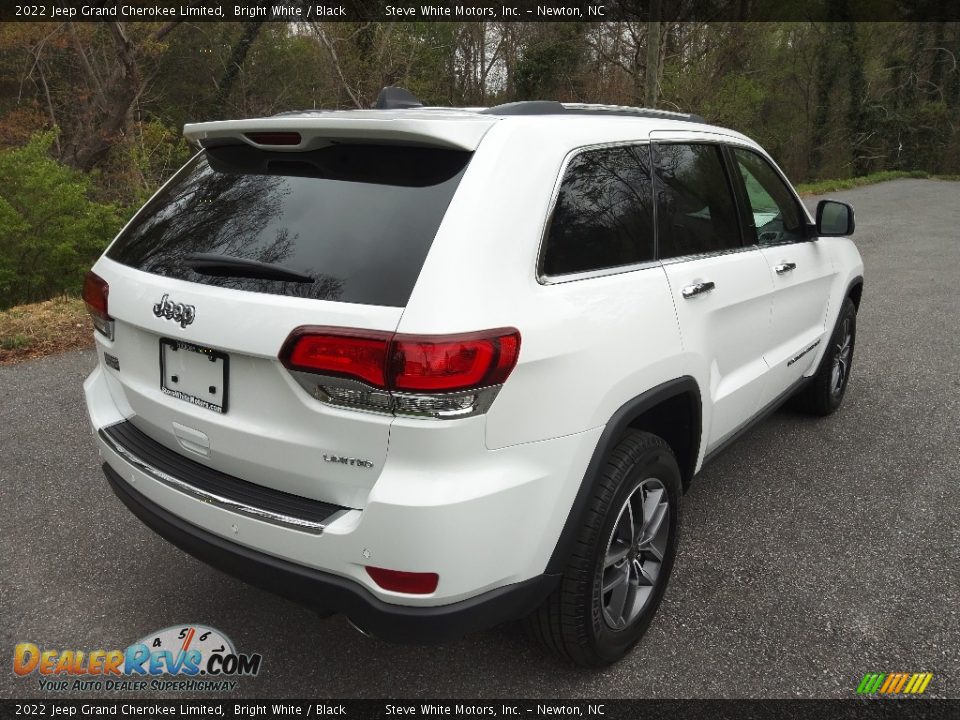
166,308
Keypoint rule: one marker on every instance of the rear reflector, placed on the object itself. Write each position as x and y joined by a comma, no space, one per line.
412,583
274,138
95,294
412,363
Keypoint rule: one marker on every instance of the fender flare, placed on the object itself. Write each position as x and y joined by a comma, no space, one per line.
615,427
852,285
855,282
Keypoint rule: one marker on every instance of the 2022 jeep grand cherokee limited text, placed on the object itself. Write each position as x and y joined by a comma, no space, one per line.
437,369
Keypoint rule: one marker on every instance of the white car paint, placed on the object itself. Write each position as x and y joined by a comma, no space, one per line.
480,500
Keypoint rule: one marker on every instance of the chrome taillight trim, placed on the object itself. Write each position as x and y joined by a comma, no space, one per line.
103,325
367,398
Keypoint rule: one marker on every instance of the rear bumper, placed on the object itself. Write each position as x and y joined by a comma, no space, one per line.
332,593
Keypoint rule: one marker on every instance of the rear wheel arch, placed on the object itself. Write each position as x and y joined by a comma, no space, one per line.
672,411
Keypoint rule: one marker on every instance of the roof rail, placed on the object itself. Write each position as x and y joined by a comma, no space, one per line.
397,98
527,107
551,107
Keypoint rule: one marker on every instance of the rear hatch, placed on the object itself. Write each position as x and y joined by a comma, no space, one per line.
246,243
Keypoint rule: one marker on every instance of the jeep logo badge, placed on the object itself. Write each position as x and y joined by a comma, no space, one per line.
166,308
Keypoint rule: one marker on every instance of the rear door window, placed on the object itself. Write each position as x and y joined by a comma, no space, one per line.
696,213
356,221
603,216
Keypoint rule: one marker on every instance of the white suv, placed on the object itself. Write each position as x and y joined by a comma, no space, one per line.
436,369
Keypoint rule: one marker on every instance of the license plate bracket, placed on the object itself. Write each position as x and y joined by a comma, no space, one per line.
195,374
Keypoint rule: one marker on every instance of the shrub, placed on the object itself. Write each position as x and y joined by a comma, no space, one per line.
51,230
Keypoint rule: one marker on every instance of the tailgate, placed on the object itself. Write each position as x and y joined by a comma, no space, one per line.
241,247
272,432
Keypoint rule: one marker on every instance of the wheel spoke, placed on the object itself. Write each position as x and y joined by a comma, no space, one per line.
623,530
653,526
618,599
845,352
839,375
633,525
650,504
645,575
617,576
651,549
615,553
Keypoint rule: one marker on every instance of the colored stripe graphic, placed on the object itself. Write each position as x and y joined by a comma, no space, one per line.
894,683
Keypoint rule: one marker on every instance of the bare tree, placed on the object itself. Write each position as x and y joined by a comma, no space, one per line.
653,56
114,88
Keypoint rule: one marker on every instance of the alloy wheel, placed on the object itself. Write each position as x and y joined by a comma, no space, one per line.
634,555
842,353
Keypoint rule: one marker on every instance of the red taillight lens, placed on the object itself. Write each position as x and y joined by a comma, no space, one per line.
454,362
274,138
95,291
360,356
415,363
412,583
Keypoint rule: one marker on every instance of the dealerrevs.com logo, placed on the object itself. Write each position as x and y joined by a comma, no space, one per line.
180,657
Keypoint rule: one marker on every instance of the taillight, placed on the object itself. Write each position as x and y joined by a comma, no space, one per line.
412,583
95,293
453,362
274,138
361,356
420,375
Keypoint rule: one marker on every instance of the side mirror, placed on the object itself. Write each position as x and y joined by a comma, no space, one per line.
834,219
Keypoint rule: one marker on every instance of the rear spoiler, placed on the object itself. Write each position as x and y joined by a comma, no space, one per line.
459,131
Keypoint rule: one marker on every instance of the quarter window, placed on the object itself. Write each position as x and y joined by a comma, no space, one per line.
773,209
695,208
603,217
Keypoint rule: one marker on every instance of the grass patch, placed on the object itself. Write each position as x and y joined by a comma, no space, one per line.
821,187
44,328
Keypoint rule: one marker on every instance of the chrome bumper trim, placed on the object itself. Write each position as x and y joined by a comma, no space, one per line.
269,516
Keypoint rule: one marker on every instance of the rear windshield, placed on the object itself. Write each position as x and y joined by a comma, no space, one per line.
355,221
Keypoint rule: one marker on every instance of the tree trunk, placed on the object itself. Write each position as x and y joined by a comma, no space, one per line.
119,94
653,56
936,90
856,129
235,65
115,94
826,79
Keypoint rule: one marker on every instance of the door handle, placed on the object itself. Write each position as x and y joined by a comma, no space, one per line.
785,267
697,289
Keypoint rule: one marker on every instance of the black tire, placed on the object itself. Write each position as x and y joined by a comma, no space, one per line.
574,622
823,394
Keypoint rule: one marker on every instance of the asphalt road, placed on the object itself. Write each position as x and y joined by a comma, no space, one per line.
813,551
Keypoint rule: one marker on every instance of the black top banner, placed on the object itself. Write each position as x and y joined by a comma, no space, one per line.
479,10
